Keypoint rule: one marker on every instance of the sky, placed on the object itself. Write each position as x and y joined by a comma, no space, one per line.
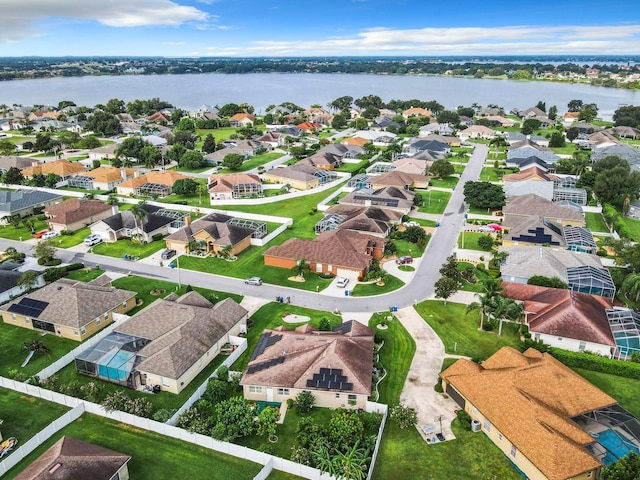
328,28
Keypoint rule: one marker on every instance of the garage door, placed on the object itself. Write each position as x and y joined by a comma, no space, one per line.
344,272
452,392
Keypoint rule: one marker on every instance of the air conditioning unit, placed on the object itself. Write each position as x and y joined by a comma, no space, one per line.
476,426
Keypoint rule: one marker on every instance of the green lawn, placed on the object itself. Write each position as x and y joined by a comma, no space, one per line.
85,274
634,227
459,331
435,201
447,182
404,454
353,167
23,416
270,316
153,456
21,233
595,222
391,283
404,247
254,162
395,356
494,175
470,240
124,246
625,390
481,276
66,241
13,352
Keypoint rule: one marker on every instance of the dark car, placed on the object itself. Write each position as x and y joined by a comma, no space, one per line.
167,254
404,260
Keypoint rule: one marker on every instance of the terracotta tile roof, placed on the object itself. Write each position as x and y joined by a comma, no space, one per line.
75,209
64,168
308,126
416,111
226,182
530,398
341,248
532,173
305,351
74,459
242,116
109,174
358,141
564,313
167,178
180,331
532,204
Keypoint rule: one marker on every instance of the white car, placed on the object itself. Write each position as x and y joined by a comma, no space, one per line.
93,239
411,224
47,235
485,228
342,282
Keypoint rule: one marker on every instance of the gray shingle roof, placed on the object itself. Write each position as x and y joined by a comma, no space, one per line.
16,200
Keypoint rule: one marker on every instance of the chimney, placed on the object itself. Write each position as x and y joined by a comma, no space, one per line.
187,220
114,209
34,163
123,173
136,173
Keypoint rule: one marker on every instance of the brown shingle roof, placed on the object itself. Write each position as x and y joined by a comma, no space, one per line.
226,182
533,173
75,209
76,460
109,174
530,398
64,168
167,178
531,204
398,178
305,351
217,227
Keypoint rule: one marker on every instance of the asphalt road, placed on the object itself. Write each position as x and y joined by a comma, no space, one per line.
441,246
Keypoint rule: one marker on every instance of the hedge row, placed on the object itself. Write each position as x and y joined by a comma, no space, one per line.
595,363
612,216
55,273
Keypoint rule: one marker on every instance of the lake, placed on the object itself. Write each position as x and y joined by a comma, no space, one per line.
193,90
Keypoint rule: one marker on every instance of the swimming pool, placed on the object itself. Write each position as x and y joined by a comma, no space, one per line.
617,445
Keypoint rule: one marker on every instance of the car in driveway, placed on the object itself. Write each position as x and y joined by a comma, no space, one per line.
48,235
40,233
404,260
93,239
167,254
342,282
253,281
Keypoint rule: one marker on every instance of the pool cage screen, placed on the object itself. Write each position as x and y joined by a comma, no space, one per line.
591,280
625,327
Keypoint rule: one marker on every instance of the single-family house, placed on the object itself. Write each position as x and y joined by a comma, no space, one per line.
70,458
437,128
309,126
63,168
416,112
23,202
9,287
531,204
411,165
108,152
167,344
7,162
391,197
397,178
318,115
340,252
527,163
324,160
531,151
355,141
533,112
427,145
159,117
477,131
627,152
384,123
69,309
102,178
301,176
531,180
215,233
374,220
73,214
500,121
334,366
625,132
234,185
159,183
272,139
565,319
569,118
523,402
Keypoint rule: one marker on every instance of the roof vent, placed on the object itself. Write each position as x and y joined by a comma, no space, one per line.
55,467
59,287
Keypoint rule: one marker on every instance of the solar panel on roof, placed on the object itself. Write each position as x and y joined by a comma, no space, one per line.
262,344
28,307
325,371
323,385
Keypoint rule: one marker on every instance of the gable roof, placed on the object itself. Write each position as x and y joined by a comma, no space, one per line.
72,304
75,209
525,163
63,167
525,262
238,117
151,222
181,331
215,224
168,178
526,396
226,182
107,174
532,204
292,359
398,178
531,173
16,200
69,458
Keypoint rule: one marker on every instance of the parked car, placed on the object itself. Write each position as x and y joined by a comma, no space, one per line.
93,239
253,281
342,282
410,224
40,233
485,228
404,260
167,254
47,235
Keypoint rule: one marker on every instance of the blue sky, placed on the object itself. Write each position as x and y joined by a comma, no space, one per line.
332,27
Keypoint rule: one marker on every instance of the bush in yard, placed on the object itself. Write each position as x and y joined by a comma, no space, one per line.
267,421
324,325
193,421
300,455
344,430
235,419
404,416
595,363
115,401
486,242
223,373
304,402
216,391
465,419
91,391
414,234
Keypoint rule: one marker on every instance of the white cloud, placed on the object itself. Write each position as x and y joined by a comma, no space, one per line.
523,40
19,18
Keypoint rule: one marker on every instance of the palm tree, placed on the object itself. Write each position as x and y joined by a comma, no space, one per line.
301,267
498,141
483,304
631,286
515,314
492,286
139,214
200,189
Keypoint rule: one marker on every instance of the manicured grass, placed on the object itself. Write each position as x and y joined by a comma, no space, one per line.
470,240
459,331
404,247
480,211
395,356
406,268
254,162
14,353
447,182
595,222
493,174
423,222
634,227
625,390
481,275
23,416
66,241
123,246
85,274
353,167
435,201
404,454
391,283
153,455
21,233
270,316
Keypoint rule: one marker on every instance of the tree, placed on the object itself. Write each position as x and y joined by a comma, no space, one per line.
542,106
405,417
575,105
186,124
185,138
52,179
7,147
445,287
498,142
556,140
139,214
344,430
414,234
209,145
268,421
185,186
230,109
627,468
486,242
304,402
115,106
301,267
13,176
588,113
483,304
235,419
132,147
45,251
484,195
572,133
529,125
150,156
448,116
192,160
631,286
341,103
42,143
551,282
441,168
103,123
450,269
339,121
37,180
28,280
521,75
13,220
233,161
553,112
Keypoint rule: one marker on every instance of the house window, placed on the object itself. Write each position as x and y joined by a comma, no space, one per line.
75,331
98,321
513,451
352,399
499,436
583,346
83,330
166,382
487,425
337,395
13,315
474,410
254,389
590,474
284,392
124,304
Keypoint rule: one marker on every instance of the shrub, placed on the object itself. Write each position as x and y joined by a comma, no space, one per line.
223,373
42,217
66,232
53,274
325,325
464,418
595,363
404,416
304,402
157,236
51,262
74,266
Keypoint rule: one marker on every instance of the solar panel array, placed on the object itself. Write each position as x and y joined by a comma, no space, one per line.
264,365
266,340
343,328
330,379
28,307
